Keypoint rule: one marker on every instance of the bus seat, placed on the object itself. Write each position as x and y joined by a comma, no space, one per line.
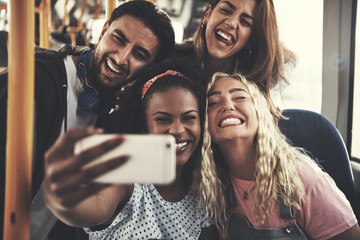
321,139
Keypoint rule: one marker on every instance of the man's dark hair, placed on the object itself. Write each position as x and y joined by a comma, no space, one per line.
154,18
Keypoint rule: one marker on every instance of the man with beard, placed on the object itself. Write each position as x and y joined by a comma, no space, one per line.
75,87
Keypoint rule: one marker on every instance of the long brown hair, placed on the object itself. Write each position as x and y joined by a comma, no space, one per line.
267,67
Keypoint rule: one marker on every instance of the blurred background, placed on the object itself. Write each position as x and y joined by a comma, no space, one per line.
321,33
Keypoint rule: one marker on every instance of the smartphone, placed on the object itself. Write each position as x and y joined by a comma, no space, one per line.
152,158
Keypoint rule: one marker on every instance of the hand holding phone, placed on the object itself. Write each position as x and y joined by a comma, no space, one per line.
152,158
65,183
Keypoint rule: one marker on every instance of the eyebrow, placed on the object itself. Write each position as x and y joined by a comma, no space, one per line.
214,93
122,35
143,50
247,16
230,91
190,111
232,6
168,114
237,90
164,113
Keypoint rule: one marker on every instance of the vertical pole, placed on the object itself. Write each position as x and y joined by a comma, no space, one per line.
20,120
110,6
45,23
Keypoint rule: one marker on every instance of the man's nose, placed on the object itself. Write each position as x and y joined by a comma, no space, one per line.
123,55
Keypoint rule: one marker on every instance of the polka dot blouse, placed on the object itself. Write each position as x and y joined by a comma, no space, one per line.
147,215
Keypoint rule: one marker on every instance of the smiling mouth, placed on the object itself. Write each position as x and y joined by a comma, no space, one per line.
224,38
113,68
181,146
230,121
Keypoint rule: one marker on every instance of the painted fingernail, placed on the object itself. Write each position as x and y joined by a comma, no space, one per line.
98,130
117,140
123,159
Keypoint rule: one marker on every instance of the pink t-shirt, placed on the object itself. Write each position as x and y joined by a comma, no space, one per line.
325,212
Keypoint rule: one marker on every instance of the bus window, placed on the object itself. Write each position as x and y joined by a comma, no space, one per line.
302,32
355,141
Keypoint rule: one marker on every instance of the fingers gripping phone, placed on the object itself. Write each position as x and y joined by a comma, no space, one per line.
152,158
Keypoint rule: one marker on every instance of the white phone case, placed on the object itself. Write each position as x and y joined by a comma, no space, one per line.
152,158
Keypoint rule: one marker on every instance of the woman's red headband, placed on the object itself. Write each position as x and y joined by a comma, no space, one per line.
148,84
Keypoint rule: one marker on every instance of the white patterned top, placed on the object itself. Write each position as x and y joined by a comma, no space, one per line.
147,215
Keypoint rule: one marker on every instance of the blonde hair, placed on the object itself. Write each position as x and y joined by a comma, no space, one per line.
276,173
209,185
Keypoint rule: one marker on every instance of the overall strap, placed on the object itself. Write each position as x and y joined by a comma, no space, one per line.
286,212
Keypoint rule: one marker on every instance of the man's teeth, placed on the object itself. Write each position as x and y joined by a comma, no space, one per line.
229,121
181,145
112,66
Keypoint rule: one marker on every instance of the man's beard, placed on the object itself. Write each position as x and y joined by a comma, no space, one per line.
95,80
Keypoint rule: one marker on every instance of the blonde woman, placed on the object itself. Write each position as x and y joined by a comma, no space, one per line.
273,190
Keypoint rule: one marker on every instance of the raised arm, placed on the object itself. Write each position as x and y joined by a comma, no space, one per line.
68,189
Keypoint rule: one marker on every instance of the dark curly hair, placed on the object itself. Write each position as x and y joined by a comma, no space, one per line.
154,18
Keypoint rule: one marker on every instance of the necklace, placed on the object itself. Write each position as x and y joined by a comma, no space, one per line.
246,194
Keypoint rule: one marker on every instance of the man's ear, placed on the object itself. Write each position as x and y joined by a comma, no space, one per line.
104,29
206,15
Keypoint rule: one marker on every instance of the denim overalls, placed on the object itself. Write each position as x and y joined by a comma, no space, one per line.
241,228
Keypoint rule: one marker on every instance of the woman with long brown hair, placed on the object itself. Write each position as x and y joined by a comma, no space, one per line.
240,36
